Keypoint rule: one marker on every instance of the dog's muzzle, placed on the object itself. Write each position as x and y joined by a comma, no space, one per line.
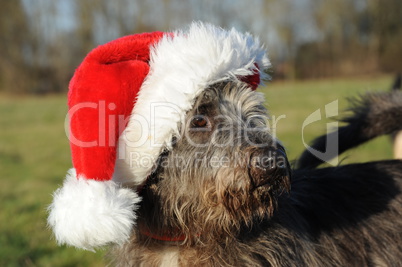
267,165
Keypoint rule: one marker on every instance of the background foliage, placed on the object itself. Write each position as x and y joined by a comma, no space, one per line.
42,41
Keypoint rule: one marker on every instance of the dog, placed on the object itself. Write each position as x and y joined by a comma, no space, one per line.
237,202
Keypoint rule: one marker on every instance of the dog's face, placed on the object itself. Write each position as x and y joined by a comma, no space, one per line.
224,171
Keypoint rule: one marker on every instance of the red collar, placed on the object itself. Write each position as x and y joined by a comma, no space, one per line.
165,237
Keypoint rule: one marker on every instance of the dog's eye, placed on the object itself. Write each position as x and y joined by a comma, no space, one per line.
199,121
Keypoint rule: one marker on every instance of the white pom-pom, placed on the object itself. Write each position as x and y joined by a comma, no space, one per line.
87,213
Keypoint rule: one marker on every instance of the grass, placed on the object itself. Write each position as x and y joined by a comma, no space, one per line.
34,158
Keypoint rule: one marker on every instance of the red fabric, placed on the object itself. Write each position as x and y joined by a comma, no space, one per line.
253,80
102,92
165,237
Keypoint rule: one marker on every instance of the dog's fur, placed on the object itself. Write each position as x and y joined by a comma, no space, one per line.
223,197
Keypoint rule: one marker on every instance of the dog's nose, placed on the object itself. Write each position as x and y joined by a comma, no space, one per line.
267,164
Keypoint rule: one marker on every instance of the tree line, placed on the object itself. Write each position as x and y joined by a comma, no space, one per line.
43,41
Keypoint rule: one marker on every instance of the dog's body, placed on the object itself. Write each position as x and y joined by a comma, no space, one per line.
242,210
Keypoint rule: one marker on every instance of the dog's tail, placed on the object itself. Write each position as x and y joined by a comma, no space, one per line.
373,114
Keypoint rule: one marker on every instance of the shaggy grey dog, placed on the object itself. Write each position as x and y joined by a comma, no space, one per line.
225,195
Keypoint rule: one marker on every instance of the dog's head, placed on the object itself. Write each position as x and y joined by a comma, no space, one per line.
225,171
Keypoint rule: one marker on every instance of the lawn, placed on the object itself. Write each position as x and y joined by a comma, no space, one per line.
34,158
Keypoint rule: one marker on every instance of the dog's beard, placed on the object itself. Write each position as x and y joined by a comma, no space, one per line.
256,198
197,201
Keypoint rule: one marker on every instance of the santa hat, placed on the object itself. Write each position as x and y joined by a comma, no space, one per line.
126,102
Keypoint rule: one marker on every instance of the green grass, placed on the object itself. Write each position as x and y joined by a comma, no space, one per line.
34,158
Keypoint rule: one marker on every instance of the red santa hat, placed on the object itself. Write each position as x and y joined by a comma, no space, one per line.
126,102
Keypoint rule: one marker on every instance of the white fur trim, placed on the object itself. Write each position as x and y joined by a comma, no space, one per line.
181,67
88,213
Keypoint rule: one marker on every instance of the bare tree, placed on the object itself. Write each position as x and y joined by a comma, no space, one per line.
14,46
